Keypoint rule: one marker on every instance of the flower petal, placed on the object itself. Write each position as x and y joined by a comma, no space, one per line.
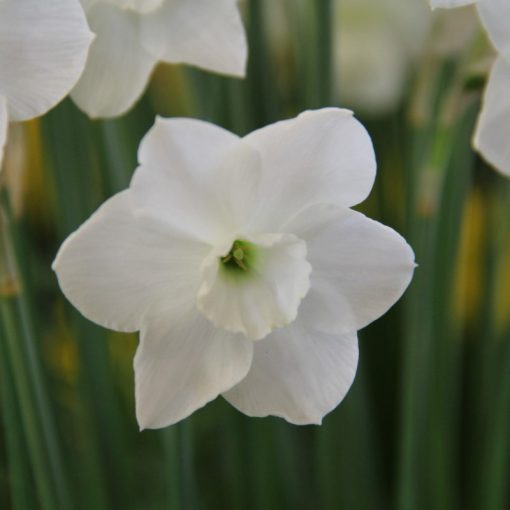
43,49
320,156
360,268
4,122
180,161
118,68
206,34
236,186
265,296
297,374
493,129
182,363
115,268
495,15
447,4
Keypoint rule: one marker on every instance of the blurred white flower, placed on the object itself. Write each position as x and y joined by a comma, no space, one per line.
43,49
134,35
492,135
375,43
242,264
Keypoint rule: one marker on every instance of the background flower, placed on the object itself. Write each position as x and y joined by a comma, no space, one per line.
493,128
376,44
133,36
211,251
43,48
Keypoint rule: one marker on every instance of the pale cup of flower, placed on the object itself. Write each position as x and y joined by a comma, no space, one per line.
242,265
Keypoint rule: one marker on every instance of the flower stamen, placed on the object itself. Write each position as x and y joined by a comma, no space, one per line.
240,256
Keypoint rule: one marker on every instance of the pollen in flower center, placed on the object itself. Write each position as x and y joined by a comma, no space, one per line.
240,258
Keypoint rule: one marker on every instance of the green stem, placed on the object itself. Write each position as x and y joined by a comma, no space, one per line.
35,406
178,446
21,481
324,34
31,422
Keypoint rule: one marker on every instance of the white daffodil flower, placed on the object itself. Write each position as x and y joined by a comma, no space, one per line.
43,49
242,265
134,35
493,129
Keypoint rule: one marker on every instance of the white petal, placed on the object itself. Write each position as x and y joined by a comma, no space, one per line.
237,186
208,34
492,135
320,156
297,374
43,48
182,363
141,6
118,68
264,297
360,268
447,4
4,121
115,268
180,163
495,15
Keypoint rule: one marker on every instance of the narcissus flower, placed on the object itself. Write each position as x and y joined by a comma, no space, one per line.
493,130
134,35
43,49
242,265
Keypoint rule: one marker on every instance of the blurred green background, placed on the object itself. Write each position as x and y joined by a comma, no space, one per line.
426,424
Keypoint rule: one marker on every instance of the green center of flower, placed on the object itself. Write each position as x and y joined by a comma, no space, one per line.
241,257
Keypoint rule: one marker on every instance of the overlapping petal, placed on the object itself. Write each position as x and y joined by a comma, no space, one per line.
203,33
298,374
115,268
43,48
184,157
320,156
493,129
118,67
360,268
182,363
